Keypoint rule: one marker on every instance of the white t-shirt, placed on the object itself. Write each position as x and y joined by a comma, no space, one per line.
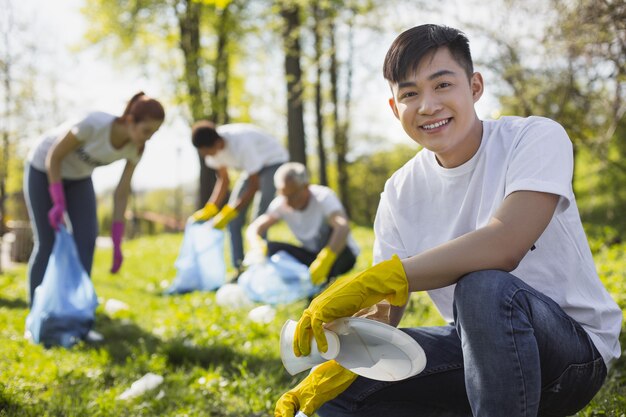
424,205
94,133
248,149
310,226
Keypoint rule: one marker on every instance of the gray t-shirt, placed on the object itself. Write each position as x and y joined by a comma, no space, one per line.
94,133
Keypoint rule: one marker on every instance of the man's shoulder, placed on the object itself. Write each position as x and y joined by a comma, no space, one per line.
322,193
511,131
507,123
231,128
320,189
237,129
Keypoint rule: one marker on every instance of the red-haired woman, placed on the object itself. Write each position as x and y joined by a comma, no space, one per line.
58,178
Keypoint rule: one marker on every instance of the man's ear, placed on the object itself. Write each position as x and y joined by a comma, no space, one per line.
477,85
394,108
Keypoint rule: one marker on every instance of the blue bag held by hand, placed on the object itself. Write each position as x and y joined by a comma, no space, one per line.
200,263
64,304
282,279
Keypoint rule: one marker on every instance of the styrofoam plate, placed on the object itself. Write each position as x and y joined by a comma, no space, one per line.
376,350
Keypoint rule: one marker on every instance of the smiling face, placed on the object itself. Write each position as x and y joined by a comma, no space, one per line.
435,105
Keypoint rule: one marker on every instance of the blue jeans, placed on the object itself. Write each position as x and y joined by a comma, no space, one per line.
260,203
511,351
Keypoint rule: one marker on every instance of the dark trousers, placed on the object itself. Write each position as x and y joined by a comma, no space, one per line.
344,262
80,198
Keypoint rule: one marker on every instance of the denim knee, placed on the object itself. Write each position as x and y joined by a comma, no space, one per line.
474,283
481,292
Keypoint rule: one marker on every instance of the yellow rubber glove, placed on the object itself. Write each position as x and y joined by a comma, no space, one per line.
226,214
348,295
205,213
324,383
321,266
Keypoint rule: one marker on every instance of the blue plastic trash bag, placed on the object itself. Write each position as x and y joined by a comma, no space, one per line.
200,264
280,280
64,304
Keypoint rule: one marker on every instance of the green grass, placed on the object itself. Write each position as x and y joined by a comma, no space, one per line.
215,361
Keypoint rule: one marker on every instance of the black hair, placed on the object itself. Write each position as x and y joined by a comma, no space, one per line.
203,134
411,46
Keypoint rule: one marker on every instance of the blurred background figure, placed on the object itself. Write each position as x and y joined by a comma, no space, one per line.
253,152
317,219
57,179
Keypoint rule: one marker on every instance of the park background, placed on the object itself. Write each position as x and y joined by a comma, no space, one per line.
310,73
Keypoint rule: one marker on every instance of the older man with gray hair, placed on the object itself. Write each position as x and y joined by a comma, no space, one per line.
317,219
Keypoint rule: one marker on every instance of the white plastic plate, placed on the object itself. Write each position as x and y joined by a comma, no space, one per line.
376,350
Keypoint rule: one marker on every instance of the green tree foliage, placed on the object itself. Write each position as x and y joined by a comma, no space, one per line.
368,175
23,109
571,67
594,35
194,42
332,28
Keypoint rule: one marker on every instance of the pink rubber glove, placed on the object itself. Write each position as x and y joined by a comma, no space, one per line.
55,215
117,232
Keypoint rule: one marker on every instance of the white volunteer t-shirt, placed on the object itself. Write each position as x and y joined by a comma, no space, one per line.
310,226
248,149
94,133
424,205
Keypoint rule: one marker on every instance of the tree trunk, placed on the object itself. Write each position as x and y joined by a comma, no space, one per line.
222,71
318,16
189,22
293,73
343,142
340,139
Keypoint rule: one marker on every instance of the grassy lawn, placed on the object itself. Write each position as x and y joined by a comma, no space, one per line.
215,361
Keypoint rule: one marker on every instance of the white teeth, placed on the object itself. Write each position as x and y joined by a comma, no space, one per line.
435,125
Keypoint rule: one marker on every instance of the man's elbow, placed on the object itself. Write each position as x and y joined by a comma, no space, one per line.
511,260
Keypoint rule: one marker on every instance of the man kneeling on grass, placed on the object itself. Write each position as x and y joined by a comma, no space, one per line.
483,218
315,216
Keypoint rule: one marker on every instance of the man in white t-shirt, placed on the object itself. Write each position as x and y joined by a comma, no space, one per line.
253,152
483,218
317,219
